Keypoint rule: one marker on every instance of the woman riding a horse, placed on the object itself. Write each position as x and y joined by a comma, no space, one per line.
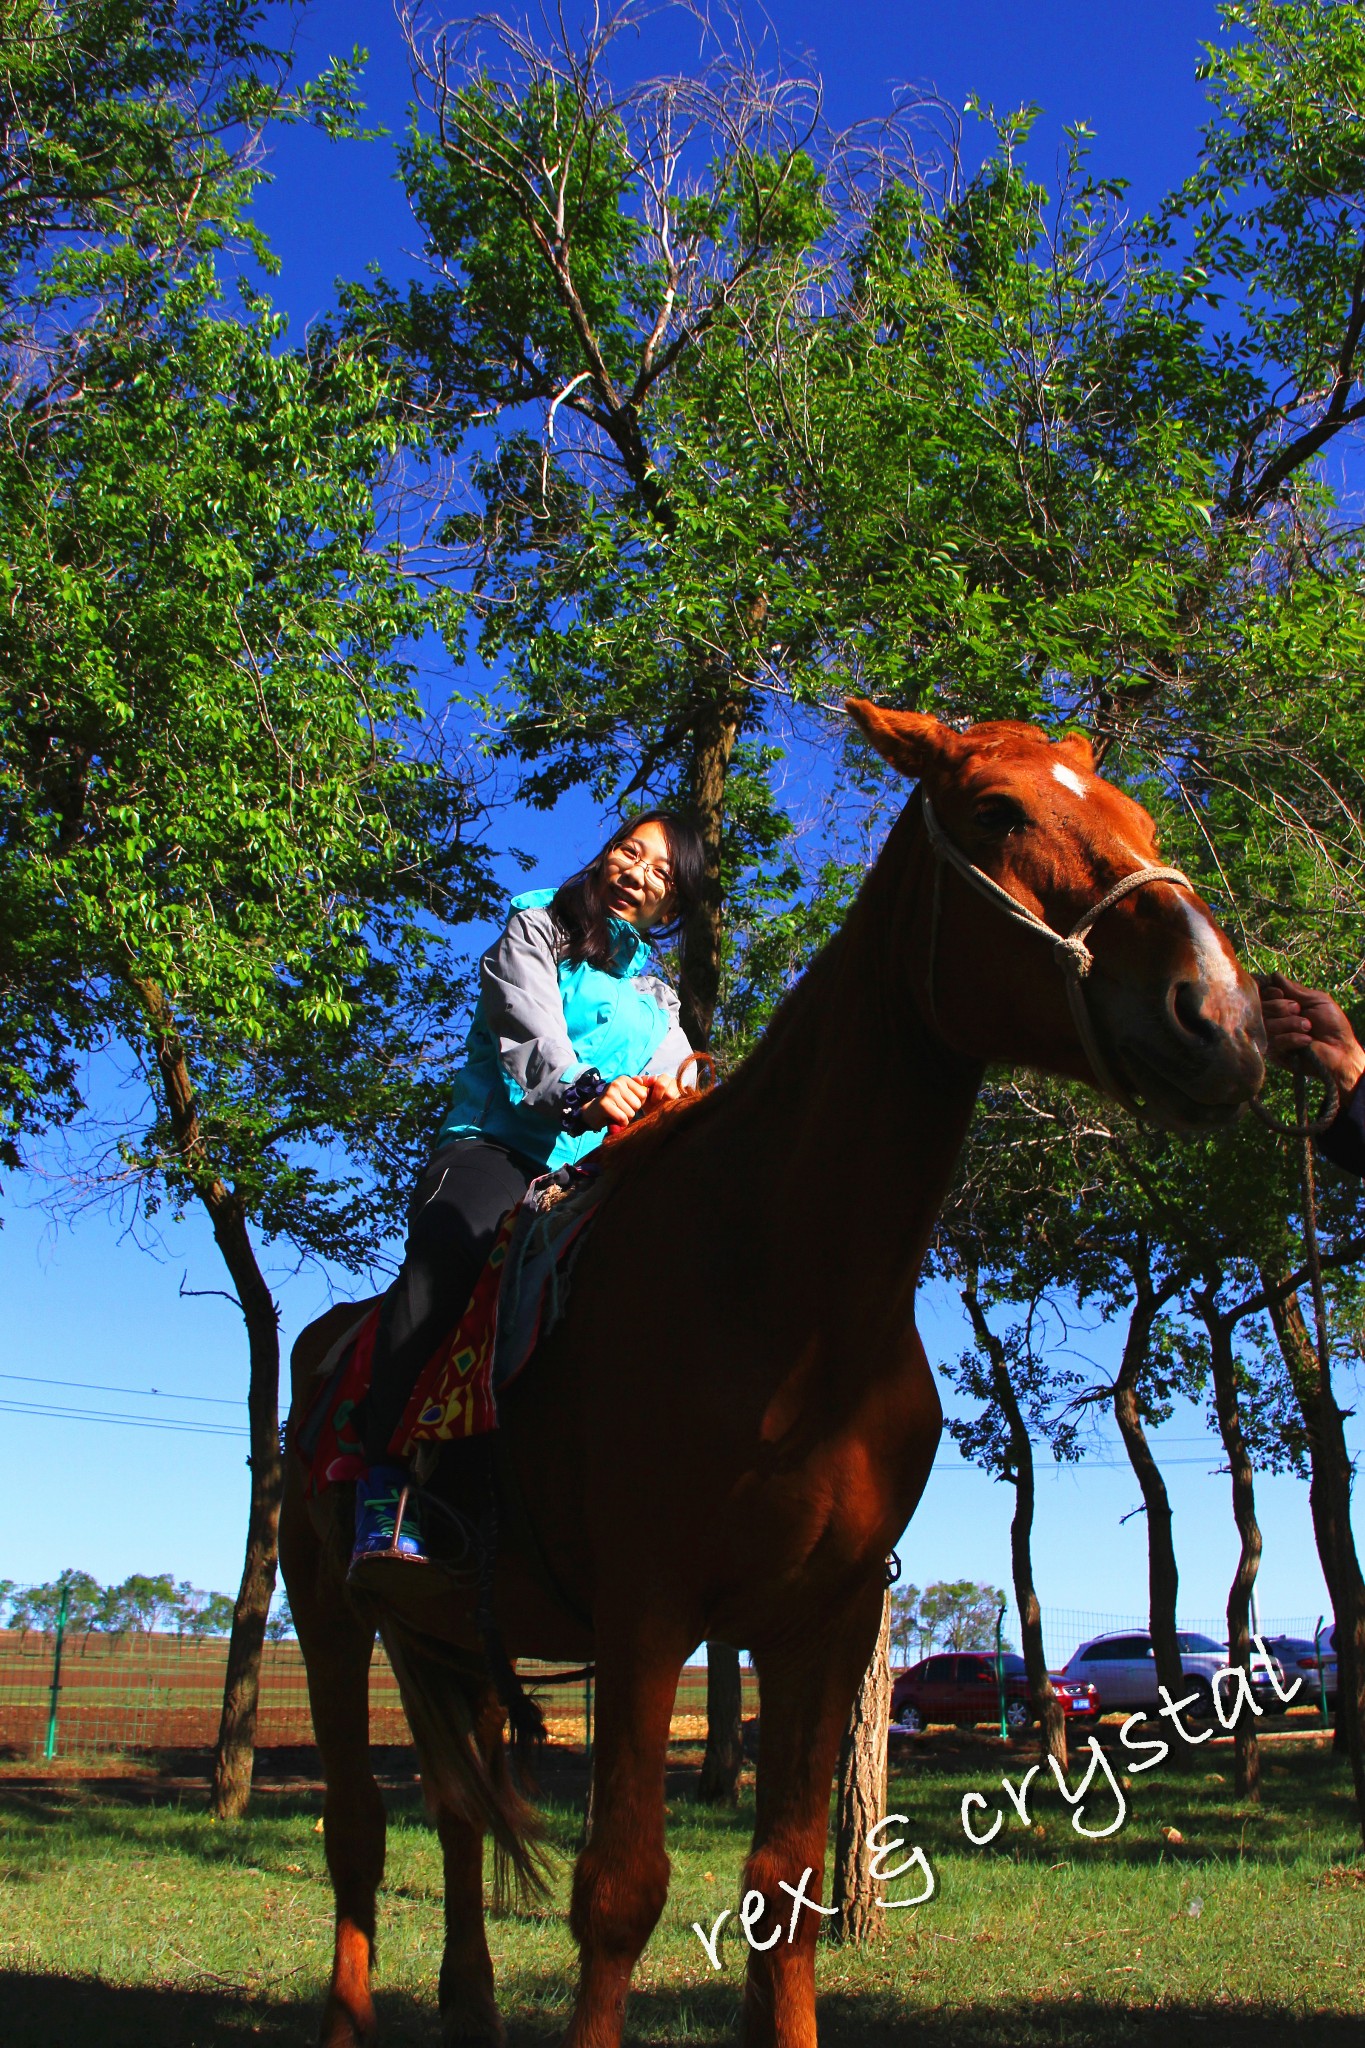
570,1038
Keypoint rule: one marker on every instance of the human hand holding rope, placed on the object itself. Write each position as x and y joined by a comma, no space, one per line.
617,1105
1302,1020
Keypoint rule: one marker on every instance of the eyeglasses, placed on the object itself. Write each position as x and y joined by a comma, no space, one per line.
627,855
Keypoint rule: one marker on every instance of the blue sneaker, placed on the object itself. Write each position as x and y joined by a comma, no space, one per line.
387,1520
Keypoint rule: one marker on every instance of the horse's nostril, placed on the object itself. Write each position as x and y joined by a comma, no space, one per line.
1187,1004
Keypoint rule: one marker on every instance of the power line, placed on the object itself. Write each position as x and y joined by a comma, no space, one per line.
1054,1468
126,1421
30,1379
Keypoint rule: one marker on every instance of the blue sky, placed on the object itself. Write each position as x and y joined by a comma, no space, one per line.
96,1304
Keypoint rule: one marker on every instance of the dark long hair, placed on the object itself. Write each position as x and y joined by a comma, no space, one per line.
582,915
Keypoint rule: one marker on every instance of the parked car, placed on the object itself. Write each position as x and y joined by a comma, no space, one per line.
1298,1655
1123,1667
960,1686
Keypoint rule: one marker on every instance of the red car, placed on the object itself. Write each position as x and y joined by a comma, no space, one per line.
960,1686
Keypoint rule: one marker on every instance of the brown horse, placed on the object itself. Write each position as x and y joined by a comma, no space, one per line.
732,1426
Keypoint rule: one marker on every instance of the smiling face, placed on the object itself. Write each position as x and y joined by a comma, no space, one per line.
1174,1013
637,876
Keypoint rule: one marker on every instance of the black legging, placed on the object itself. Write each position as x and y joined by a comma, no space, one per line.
453,1219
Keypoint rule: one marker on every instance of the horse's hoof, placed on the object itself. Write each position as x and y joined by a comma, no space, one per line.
469,2021
346,2026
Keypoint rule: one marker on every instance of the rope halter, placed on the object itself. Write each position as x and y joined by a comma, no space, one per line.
1069,949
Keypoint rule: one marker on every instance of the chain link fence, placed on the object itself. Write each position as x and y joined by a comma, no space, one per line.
1065,1629
76,1695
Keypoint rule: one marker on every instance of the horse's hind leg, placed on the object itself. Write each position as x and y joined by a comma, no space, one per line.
469,2013
806,1691
621,1879
336,1648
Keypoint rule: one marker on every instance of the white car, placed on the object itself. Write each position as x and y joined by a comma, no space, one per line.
1122,1668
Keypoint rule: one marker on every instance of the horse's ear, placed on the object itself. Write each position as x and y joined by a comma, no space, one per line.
1078,747
909,740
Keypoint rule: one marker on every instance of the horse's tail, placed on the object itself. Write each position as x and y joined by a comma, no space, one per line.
457,1728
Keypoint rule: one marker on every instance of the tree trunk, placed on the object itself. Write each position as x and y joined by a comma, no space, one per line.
234,1755
1246,1748
1046,1705
1331,1506
702,942
713,742
1163,1578
718,1784
1320,1514
859,1913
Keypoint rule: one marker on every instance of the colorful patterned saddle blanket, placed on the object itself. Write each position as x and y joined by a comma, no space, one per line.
518,1299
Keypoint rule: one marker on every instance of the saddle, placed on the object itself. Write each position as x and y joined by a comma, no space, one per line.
518,1299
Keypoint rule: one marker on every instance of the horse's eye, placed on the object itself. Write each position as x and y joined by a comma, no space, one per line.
999,815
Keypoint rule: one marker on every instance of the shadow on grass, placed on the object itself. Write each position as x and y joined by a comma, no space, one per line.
64,2012
129,1810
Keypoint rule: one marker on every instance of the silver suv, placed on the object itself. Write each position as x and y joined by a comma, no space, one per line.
1299,1656
1123,1671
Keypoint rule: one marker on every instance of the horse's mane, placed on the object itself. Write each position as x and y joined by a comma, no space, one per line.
648,1135
644,1139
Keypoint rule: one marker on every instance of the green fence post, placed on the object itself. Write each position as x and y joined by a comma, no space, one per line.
1000,1672
50,1746
1322,1676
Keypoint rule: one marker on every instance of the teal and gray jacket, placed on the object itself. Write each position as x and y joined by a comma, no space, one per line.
540,1021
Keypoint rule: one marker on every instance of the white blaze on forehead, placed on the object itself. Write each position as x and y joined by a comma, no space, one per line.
1214,964
1068,778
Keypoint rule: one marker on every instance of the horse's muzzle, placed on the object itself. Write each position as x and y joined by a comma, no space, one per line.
1198,1058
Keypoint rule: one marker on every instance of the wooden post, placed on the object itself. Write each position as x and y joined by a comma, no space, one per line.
859,1914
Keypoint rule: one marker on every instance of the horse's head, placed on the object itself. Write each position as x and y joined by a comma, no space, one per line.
1148,999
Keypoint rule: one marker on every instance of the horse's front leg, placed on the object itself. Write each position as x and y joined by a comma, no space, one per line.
806,1690
621,1878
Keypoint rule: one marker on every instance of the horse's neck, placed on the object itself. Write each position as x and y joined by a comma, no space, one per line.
852,1112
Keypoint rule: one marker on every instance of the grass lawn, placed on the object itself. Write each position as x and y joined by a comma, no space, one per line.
131,1921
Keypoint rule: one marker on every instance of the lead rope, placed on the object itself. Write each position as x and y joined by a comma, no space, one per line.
1310,1224
1304,1064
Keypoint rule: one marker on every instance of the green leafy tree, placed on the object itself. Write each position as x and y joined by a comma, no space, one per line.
620,533
280,1627
143,1601
905,1632
960,1614
223,821
205,1614
39,1607
127,139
